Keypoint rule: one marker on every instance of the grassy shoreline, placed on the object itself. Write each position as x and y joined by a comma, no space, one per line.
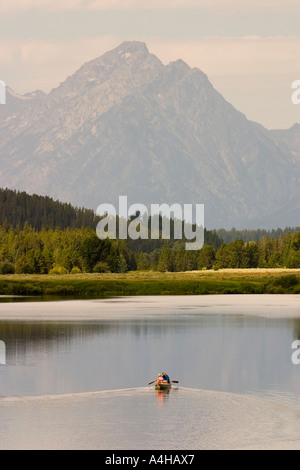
224,281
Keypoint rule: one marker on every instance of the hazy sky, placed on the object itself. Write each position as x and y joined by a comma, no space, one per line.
250,49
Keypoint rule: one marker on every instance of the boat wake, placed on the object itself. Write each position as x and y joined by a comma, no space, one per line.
127,419
60,396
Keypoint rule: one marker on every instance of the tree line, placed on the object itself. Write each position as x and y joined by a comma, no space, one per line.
254,235
18,208
76,250
39,235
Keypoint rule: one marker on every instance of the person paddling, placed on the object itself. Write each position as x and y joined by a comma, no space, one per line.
159,379
165,377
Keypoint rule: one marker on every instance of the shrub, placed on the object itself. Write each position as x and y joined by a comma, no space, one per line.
249,289
58,270
286,281
276,290
75,270
31,289
60,290
101,267
7,268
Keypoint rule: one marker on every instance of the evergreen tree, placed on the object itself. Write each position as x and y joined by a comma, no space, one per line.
206,257
165,262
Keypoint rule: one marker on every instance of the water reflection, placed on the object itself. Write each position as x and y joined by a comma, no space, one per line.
216,352
161,396
23,339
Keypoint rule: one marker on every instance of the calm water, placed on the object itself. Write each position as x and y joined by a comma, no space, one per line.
99,369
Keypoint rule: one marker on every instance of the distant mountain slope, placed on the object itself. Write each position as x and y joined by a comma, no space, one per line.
125,124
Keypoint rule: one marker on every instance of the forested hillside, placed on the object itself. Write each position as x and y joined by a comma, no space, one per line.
39,235
18,208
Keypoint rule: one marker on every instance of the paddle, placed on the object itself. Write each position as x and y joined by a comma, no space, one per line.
173,382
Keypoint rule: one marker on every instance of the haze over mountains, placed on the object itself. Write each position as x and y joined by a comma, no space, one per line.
126,124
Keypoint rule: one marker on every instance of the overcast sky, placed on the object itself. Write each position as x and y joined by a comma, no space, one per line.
250,49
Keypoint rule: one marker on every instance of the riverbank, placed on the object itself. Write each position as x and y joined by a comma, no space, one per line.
225,281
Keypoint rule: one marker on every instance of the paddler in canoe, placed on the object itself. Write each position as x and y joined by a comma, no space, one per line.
166,377
162,382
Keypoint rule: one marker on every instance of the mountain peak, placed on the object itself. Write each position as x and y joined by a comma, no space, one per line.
111,76
124,123
132,46
127,50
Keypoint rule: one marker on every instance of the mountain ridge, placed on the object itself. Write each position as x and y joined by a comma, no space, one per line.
124,123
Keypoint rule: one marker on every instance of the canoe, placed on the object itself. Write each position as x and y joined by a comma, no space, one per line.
163,386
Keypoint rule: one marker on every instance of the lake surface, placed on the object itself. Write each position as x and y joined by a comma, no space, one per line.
86,365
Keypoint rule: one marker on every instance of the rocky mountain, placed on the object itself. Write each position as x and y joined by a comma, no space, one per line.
126,124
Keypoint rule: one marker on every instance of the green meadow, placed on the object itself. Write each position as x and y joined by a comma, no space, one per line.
226,281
